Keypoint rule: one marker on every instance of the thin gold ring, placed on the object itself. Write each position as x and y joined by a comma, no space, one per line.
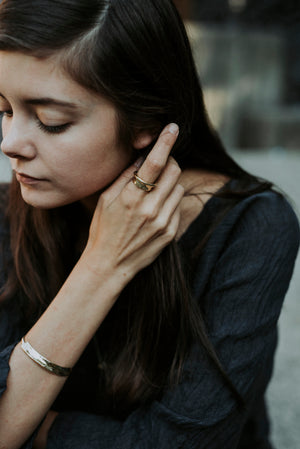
141,184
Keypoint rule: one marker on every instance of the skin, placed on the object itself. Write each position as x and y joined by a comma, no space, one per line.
128,229
74,163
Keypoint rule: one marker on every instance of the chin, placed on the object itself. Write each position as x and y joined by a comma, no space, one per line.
43,200
45,205
53,199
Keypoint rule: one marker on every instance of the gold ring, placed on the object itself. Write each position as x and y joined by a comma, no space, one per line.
141,184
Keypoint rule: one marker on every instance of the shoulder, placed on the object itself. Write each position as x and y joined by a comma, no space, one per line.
254,248
256,235
268,215
264,214
260,234
263,226
258,212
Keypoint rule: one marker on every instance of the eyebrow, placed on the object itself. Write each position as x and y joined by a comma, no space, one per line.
47,101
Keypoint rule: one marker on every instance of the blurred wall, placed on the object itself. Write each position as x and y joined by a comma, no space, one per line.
246,53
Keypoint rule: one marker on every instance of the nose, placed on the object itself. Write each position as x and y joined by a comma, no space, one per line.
16,142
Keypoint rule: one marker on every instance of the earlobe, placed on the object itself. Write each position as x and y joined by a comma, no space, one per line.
142,140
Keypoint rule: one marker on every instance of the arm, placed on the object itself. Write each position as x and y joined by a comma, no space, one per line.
134,229
243,306
40,441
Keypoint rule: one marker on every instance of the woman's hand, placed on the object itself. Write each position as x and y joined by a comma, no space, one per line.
130,227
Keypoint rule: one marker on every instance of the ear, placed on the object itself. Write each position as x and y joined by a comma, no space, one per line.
142,140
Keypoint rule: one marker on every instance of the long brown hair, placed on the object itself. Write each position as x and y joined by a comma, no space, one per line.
138,56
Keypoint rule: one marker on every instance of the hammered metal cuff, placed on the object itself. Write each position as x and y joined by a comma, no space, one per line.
43,362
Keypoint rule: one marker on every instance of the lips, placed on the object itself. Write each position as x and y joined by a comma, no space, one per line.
23,175
27,179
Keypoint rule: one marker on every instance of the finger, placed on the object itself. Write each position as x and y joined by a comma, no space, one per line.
169,208
155,223
160,241
166,182
158,156
118,185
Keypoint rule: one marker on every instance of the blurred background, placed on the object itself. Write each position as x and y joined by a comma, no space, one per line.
247,55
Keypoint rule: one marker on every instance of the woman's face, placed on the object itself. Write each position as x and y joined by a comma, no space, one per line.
61,139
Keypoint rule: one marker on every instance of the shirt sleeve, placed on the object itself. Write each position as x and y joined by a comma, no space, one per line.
10,333
242,303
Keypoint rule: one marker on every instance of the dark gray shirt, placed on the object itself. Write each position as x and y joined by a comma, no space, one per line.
241,278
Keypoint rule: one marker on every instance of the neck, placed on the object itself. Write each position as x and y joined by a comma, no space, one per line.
89,204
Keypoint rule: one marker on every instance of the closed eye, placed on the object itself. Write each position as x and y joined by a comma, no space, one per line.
47,129
53,129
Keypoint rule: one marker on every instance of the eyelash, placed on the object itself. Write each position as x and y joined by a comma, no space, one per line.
53,129
47,129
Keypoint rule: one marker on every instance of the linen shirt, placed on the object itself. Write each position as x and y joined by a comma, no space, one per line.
241,278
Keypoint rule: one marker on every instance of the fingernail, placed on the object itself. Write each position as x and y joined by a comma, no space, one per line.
173,128
139,162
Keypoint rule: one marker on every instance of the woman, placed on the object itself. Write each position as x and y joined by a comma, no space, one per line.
143,271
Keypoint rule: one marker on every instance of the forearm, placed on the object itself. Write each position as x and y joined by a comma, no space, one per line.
61,335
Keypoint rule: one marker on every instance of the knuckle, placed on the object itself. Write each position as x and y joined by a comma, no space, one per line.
128,201
170,233
180,189
175,169
161,224
167,139
149,213
155,164
173,160
104,198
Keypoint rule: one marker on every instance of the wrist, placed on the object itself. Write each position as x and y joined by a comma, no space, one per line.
103,274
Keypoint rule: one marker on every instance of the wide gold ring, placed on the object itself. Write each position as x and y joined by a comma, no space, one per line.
141,184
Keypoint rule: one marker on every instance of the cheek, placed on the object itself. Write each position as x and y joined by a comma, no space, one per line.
95,164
